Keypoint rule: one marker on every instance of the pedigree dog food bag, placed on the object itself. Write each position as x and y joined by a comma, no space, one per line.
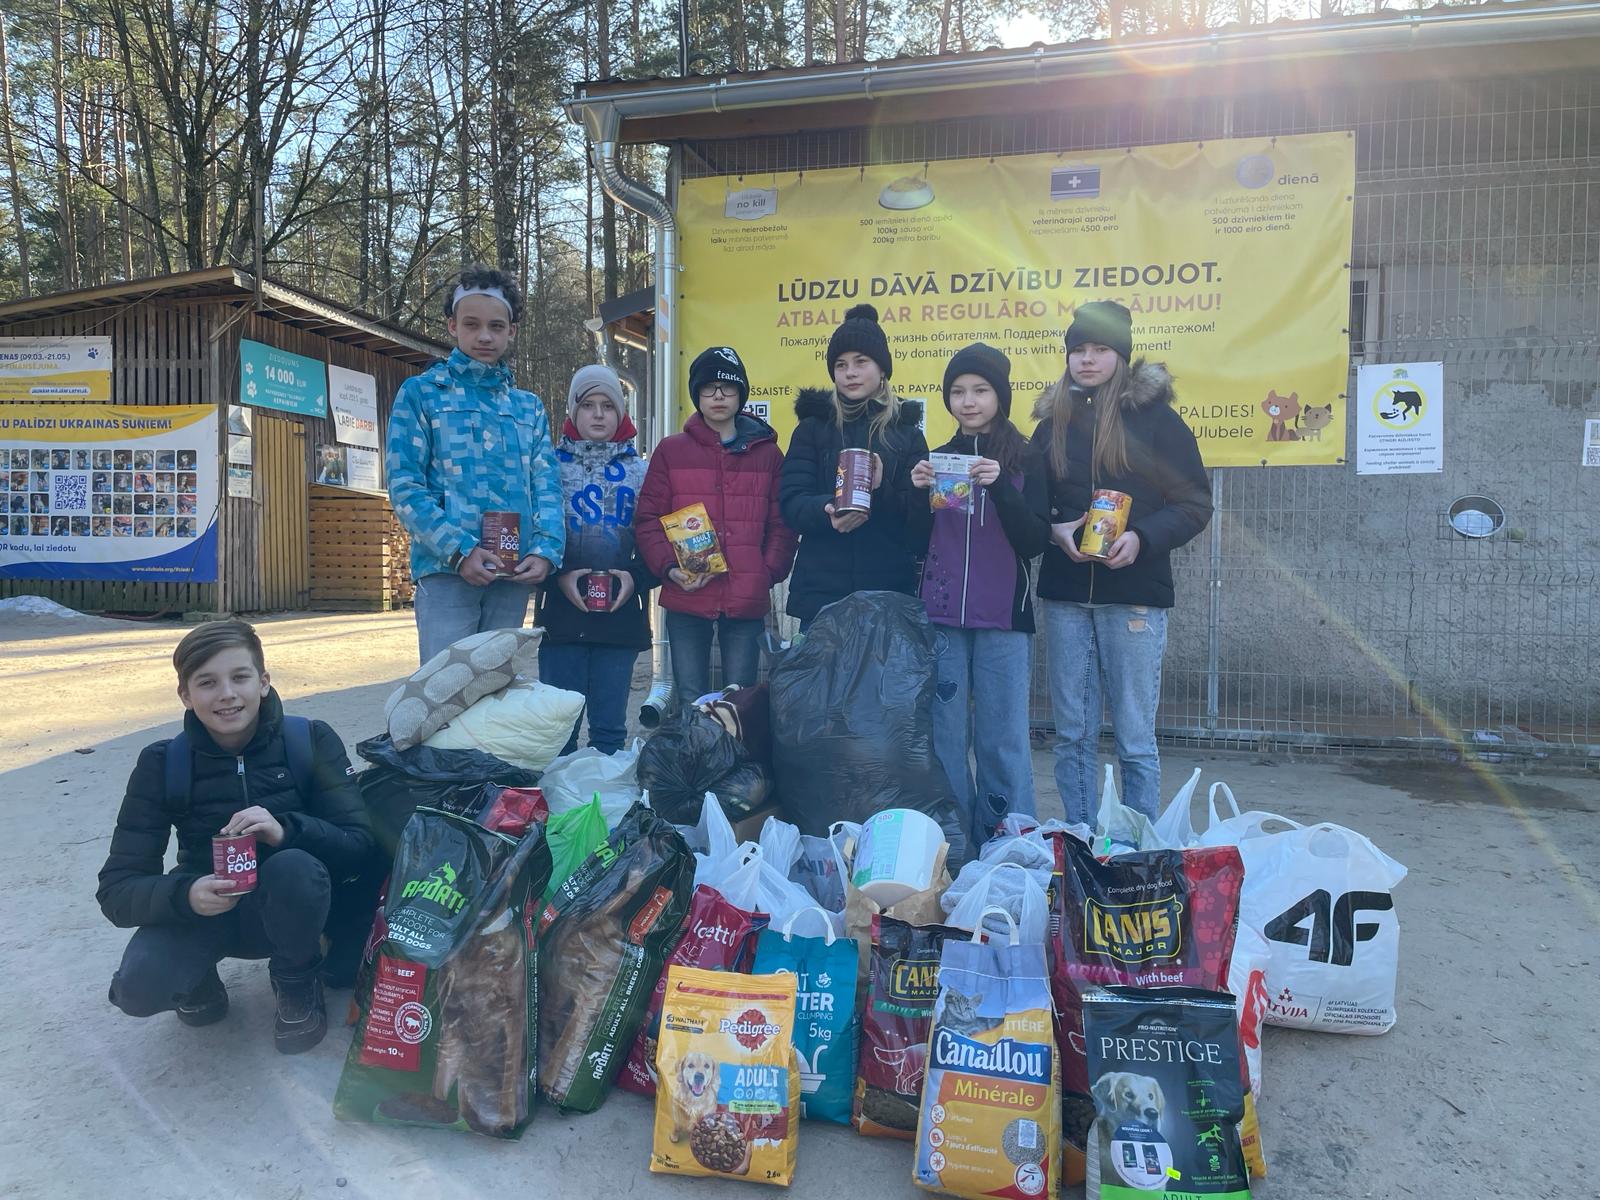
728,1091
990,1122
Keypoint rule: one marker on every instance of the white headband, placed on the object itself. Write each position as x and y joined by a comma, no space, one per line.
495,292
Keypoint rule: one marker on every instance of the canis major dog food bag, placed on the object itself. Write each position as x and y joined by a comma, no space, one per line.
990,1118
1168,1094
728,1093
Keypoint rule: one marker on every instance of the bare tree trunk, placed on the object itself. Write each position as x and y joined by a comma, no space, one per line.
841,41
119,136
808,25
504,158
11,160
741,40
463,144
608,206
69,228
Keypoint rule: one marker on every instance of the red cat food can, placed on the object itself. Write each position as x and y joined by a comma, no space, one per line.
852,483
234,858
597,591
1107,520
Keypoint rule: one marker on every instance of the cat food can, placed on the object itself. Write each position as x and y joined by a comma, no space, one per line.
1105,522
234,858
852,484
597,591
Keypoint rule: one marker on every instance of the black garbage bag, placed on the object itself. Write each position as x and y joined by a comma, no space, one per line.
852,719
455,781
690,755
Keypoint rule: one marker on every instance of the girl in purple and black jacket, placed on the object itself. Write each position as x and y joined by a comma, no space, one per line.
976,586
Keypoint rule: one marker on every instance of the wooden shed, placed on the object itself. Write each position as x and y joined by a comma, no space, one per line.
176,340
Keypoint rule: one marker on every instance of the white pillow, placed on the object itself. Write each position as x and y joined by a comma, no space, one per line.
527,725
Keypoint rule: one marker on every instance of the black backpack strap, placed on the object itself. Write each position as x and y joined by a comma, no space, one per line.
298,750
180,774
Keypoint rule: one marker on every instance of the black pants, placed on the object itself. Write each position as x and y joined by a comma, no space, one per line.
280,921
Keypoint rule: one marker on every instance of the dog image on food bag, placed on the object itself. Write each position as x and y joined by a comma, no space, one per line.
728,1097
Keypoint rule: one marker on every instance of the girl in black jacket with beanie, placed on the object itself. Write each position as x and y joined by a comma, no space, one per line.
1110,424
841,553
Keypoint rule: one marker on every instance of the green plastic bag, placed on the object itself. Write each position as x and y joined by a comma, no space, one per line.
573,836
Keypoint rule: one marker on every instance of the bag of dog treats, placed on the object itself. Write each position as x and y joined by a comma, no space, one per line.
902,987
605,934
694,540
1168,1094
448,1029
826,1026
1151,918
718,936
728,1102
992,1072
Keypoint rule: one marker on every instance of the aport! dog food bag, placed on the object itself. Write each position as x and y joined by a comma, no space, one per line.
992,1075
728,1093
902,987
1168,1094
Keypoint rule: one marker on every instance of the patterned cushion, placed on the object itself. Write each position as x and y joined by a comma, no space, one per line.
456,678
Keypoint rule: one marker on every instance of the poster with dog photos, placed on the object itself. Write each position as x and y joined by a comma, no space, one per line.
1400,419
107,491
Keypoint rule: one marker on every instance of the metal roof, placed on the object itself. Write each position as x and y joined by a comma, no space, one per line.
230,285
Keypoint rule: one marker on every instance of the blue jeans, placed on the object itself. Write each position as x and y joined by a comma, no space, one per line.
1112,653
981,713
603,675
449,609
689,639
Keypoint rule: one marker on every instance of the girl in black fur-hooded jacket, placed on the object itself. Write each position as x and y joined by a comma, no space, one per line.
841,553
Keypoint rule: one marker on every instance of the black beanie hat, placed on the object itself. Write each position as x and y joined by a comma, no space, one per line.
1105,322
718,364
861,333
983,360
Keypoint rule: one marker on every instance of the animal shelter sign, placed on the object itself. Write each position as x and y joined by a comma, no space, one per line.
1231,255
1400,419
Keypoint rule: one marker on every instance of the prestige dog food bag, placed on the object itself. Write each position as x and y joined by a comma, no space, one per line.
992,1074
728,1092
694,540
1168,1094
1153,918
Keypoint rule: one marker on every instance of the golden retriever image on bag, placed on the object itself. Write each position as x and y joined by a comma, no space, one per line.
728,1096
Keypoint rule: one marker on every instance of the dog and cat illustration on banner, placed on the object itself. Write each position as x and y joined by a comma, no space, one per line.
1308,420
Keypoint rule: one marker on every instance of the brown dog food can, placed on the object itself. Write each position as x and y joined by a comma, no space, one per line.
501,536
852,483
597,591
1105,522
234,858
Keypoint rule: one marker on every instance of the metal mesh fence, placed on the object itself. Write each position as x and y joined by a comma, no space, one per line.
1330,611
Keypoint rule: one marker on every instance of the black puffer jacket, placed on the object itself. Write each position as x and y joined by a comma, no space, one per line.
1166,480
332,826
875,557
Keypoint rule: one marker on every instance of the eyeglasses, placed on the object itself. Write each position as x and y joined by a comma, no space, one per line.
730,390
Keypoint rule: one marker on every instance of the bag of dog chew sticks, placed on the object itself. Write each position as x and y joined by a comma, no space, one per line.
1168,1094
1152,918
728,1097
992,1073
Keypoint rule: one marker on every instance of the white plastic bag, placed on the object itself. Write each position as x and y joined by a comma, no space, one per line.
1119,829
572,781
1175,825
1235,830
1007,889
1321,895
1247,980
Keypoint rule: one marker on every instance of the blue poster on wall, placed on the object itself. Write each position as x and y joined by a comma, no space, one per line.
273,378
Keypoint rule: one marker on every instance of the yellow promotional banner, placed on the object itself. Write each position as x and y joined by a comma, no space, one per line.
1231,255
55,368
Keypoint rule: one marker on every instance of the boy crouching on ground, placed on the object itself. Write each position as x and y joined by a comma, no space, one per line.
239,767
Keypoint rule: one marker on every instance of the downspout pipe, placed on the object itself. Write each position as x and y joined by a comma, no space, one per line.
602,124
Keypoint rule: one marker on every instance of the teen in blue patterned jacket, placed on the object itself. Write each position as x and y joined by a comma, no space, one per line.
464,441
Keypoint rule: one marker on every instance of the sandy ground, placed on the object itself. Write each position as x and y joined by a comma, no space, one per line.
1479,1091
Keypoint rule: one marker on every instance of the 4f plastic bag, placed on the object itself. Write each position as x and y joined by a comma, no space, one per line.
1323,897
852,719
826,1025
573,781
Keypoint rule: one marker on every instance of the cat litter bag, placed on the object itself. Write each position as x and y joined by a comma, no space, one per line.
993,1074
1169,1094
826,1025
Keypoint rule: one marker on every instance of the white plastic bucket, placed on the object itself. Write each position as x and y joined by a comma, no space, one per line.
895,855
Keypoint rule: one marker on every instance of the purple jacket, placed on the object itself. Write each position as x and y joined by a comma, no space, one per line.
976,573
